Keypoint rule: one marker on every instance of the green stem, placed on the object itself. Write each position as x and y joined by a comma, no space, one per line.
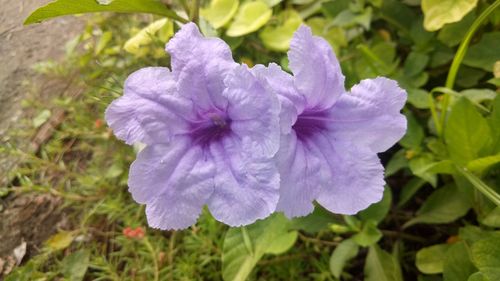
480,186
196,11
459,56
155,259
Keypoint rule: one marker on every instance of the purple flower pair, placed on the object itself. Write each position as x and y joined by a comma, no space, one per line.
249,142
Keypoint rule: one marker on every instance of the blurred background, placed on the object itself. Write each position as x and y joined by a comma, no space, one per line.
66,214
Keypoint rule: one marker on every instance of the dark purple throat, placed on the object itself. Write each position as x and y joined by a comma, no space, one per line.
310,123
211,128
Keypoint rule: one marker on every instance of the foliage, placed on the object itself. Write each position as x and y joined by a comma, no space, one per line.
440,214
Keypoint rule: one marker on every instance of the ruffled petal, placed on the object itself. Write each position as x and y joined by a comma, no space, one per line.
369,116
316,69
357,177
254,112
188,45
149,111
303,173
291,102
174,181
246,187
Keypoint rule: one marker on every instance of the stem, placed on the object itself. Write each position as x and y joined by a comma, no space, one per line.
196,10
153,255
480,186
459,56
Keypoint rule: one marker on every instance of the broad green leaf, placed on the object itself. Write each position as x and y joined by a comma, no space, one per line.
453,33
430,260
466,132
145,36
440,12
414,133
415,63
419,167
479,95
220,12
377,212
278,37
244,247
444,205
251,16
368,235
71,7
409,190
272,3
485,53
333,34
418,98
481,164
397,162
494,122
492,218
333,8
283,243
381,266
60,240
398,14
75,265
318,220
469,77
41,118
457,264
478,276
486,257
342,254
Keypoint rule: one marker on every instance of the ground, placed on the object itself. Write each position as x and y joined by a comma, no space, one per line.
26,218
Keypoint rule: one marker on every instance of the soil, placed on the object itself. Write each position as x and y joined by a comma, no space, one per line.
26,220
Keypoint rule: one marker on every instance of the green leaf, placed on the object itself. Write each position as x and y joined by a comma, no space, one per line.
457,264
71,7
377,212
272,3
486,256
398,14
283,243
414,133
440,12
466,132
343,253
278,38
333,34
381,266
409,190
318,220
75,265
368,235
220,12
452,34
251,16
492,218
41,118
60,240
415,63
444,205
481,164
430,260
418,98
478,276
419,166
397,162
145,36
485,53
242,249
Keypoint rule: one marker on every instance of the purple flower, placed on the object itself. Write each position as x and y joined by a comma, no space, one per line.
211,129
331,138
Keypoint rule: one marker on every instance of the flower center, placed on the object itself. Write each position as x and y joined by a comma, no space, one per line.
212,127
310,123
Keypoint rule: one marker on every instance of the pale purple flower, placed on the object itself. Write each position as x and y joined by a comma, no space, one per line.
331,138
211,129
